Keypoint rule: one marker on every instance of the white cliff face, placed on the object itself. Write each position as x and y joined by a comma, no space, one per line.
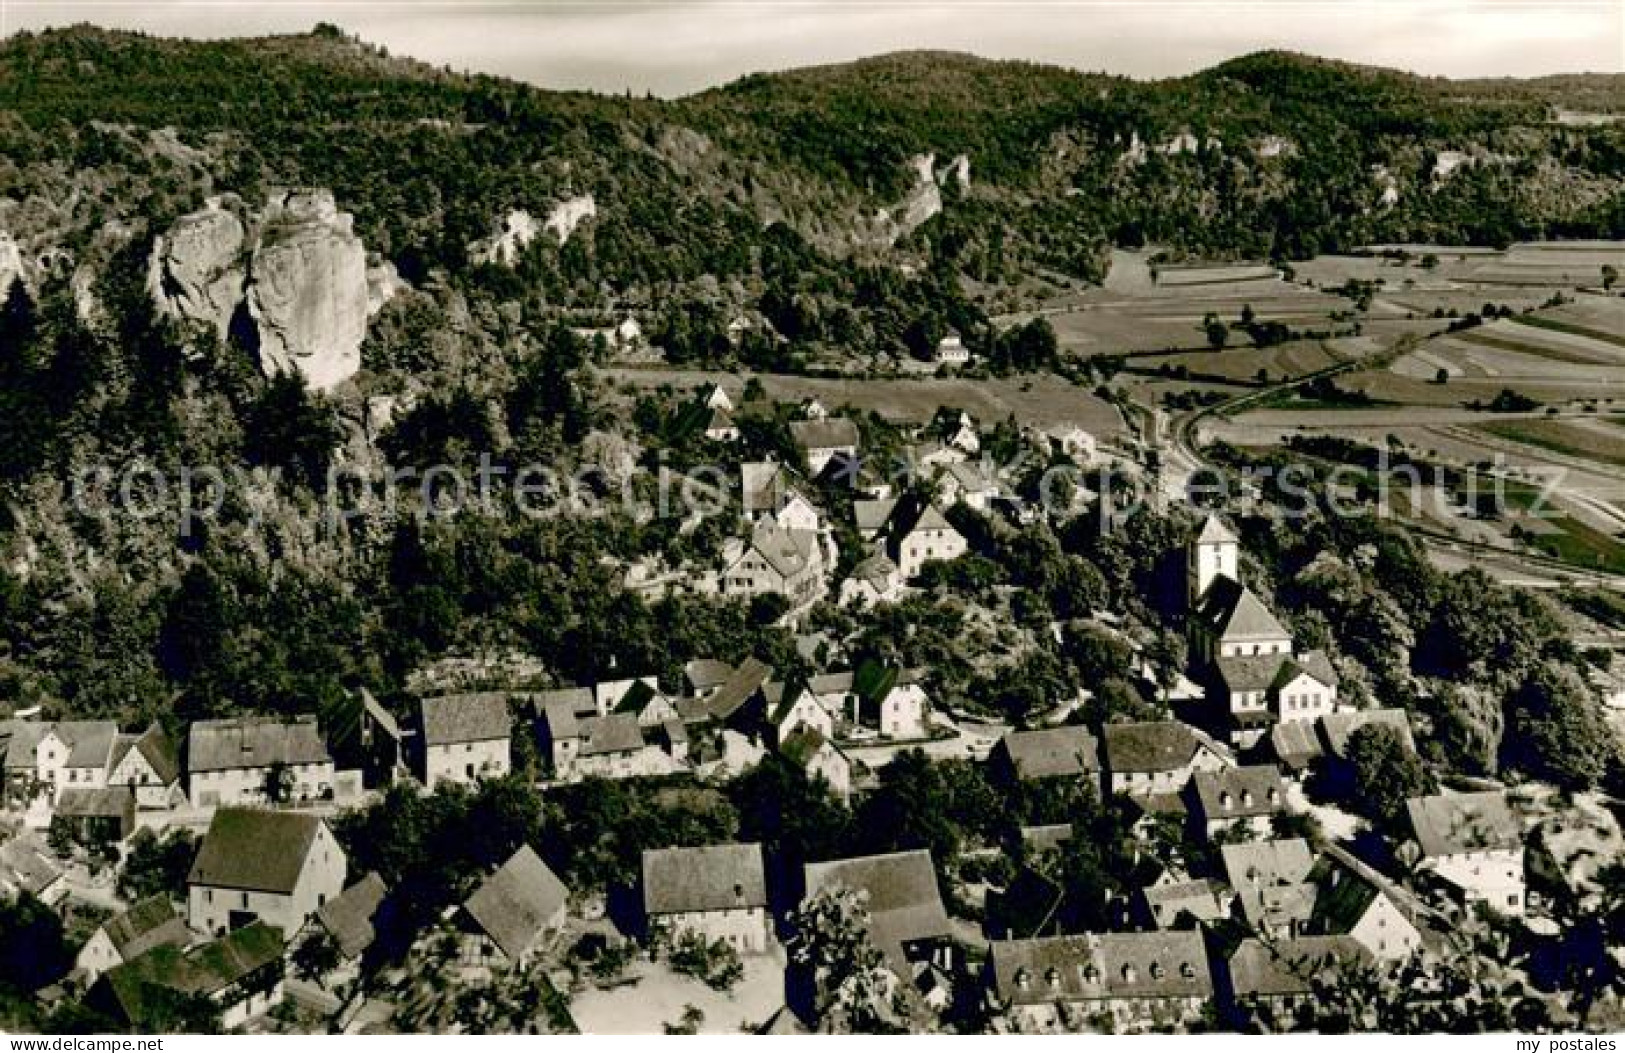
520,228
383,283
924,200
567,216
308,291
11,263
196,271
296,264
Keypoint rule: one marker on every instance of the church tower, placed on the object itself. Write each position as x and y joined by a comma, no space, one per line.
1212,555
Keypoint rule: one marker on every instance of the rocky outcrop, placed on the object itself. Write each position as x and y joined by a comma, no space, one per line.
957,170
308,291
520,228
504,248
11,263
567,216
295,270
383,283
196,271
924,200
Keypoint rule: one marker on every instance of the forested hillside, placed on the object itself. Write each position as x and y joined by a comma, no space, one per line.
797,198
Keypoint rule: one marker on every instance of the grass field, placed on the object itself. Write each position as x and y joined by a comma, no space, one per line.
1591,440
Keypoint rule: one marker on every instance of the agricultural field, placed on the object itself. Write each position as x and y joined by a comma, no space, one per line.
1600,440
1242,365
1567,354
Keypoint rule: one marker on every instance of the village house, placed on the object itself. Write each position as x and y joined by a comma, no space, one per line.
241,974
1069,440
466,738
1251,796
957,430
1126,981
1277,977
88,816
277,867
775,560
819,758
874,580
1473,844
1158,757
27,868
616,747
1337,728
147,764
871,516
718,893
148,924
822,441
380,743
792,708
763,488
1182,904
1277,688
918,534
640,697
951,351
1274,887
907,921
241,761
1068,752
507,918
348,923
49,757
972,482
1355,901
720,426
712,396
740,699
613,746
892,708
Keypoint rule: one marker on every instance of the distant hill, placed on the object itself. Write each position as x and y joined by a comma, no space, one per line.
1061,162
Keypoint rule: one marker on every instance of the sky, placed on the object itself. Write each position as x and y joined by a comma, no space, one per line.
672,47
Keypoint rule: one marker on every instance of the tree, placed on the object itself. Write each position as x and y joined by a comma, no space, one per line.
316,957
1441,375
1610,275
33,948
1556,730
1217,332
851,989
714,963
290,429
157,864
279,783
1385,773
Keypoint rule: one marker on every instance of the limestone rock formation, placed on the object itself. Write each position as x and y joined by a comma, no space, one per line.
11,263
520,228
924,200
196,272
383,282
567,216
308,292
504,248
